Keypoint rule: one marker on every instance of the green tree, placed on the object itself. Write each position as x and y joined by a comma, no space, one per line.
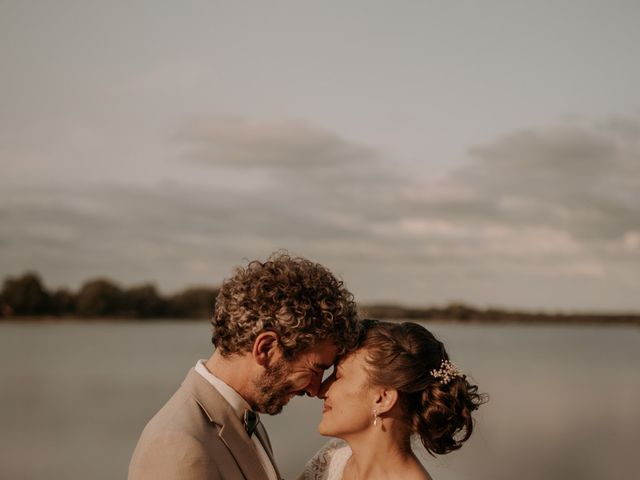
144,302
196,302
24,296
100,298
62,302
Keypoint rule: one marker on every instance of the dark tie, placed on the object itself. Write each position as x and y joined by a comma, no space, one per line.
251,421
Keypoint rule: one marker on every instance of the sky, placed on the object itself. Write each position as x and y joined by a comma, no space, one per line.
427,152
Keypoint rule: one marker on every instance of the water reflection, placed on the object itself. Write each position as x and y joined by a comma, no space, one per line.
563,399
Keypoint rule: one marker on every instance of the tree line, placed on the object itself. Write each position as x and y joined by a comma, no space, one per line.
458,312
26,296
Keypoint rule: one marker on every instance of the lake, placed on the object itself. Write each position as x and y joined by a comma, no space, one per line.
564,399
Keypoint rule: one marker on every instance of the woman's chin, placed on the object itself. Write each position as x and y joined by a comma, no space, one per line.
323,429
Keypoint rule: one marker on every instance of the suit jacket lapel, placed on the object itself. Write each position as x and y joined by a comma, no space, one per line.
266,443
230,430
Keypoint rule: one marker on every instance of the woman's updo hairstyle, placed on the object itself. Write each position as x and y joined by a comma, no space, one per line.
402,356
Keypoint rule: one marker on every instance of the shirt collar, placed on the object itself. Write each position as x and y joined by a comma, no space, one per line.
232,397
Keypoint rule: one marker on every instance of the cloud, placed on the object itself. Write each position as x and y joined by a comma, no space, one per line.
284,144
582,178
545,217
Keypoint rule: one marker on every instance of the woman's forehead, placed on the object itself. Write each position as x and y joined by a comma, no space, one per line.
352,359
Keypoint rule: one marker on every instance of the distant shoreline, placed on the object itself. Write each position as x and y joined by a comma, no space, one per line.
458,313
450,315
26,298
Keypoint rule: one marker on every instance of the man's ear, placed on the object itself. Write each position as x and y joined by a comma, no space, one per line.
385,400
265,348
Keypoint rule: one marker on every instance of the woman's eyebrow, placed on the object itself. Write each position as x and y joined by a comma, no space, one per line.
339,361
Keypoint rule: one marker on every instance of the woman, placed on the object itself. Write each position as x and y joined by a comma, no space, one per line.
399,382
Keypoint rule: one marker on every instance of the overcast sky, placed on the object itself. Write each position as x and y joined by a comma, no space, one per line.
427,151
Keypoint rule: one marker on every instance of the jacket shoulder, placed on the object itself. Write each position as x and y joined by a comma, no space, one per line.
173,455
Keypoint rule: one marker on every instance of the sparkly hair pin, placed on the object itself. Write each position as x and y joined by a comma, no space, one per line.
447,372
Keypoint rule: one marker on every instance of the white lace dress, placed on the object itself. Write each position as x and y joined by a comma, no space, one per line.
329,462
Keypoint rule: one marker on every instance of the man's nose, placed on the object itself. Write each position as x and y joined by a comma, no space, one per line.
322,391
314,386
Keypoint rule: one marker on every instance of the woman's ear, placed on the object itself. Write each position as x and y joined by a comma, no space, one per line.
265,348
385,400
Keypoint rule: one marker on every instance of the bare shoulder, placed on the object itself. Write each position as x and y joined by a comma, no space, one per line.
418,472
418,475
425,476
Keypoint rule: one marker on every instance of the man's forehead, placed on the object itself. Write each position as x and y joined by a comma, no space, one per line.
323,354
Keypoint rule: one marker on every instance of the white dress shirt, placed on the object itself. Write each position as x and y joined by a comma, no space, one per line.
239,405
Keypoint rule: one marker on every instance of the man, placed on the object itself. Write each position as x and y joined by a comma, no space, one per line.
277,326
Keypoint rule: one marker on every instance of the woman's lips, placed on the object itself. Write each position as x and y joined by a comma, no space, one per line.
326,408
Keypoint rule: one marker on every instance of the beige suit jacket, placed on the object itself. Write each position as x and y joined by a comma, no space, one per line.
197,436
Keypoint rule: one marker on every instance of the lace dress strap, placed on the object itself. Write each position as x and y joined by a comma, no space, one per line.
329,462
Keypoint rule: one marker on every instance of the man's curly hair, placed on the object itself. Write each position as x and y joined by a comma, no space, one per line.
301,301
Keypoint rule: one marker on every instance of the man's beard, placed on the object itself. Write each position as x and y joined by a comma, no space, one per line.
273,389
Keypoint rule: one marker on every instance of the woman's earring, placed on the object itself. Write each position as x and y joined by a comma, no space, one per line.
375,418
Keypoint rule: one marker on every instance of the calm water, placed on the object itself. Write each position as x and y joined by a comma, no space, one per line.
564,400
